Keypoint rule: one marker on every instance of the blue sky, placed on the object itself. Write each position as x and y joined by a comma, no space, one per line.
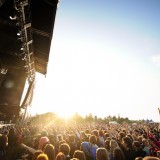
104,60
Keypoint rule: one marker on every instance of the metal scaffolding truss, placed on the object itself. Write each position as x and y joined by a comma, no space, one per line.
23,19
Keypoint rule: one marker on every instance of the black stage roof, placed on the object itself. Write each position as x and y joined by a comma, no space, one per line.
41,15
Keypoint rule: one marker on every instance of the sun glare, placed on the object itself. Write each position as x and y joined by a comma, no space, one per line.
65,114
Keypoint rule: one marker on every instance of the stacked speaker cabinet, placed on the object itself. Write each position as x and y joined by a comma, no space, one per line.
11,90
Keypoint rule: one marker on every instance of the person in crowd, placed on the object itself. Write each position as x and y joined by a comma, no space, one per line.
85,147
36,154
49,151
102,154
60,156
12,137
147,147
101,138
93,146
42,142
72,144
151,158
65,149
44,133
3,146
136,132
121,135
42,156
130,136
79,154
107,145
154,147
80,136
113,146
35,141
118,154
106,135
84,137
158,154
127,149
96,134
139,152
139,139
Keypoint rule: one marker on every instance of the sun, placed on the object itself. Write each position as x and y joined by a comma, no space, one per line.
65,114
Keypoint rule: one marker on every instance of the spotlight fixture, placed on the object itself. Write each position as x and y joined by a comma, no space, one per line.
19,33
13,18
3,71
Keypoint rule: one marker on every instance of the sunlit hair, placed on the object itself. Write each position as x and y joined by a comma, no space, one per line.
79,154
106,135
109,138
102,154
65,148
113,144
87,131
42,156
150,158
50,151
121,135
60,156
139,158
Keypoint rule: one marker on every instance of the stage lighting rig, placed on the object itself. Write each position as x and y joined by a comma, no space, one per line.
3,70
24,34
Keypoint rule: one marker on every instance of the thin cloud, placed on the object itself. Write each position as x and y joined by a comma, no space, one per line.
156,60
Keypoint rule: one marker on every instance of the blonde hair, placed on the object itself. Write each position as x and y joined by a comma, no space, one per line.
42,156
113,144
150,158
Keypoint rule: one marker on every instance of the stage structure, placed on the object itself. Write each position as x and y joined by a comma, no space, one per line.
26,31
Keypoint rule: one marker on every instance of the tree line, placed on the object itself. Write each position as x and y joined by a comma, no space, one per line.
78,119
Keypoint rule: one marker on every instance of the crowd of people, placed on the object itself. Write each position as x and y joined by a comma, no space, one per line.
80,142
